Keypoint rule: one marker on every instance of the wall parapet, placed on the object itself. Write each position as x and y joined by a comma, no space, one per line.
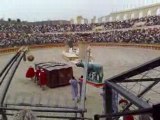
33,47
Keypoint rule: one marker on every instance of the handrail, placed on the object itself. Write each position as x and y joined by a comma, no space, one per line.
7,65
153,111
36,109
133,112
8,68
58,117
5,89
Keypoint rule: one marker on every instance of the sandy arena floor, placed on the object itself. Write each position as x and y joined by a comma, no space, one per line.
114,59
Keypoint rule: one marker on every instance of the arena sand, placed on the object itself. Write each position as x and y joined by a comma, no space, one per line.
114,60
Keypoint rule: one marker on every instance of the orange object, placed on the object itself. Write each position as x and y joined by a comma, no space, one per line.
30,58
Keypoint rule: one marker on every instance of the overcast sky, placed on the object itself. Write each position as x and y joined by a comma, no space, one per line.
37,10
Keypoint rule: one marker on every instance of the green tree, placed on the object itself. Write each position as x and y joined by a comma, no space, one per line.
18,20
9,19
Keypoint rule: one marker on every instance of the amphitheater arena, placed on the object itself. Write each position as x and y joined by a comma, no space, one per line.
115,59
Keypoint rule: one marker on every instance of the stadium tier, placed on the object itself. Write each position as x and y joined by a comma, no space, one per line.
140,30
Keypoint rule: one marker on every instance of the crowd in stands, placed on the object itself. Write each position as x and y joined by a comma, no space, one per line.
148,36
52,28
27,34
148,21
44,28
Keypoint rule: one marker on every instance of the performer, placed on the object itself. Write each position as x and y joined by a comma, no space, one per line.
37,75
80,81
43,79
30,73
123,103
74,88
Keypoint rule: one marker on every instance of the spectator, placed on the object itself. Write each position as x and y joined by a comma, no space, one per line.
74,88
80,85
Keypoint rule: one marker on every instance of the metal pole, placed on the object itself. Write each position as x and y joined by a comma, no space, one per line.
4,116
108,100
96,117
83,97
156,111
137,70
131,97
140,80
134,112
9,67
4,91
42,110
58,117
9,62
6,86
39,105
82,114
142,93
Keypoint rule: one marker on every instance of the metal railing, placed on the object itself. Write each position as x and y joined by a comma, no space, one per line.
117,82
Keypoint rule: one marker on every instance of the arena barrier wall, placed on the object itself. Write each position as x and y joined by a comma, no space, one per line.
14,49
146,46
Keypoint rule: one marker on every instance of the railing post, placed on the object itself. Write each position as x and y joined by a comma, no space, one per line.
108,100
82,115
156,111
96,117
3,114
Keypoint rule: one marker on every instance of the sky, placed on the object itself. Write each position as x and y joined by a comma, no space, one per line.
38,10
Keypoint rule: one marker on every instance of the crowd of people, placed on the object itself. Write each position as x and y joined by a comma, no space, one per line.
12,35
147,21
9,27
148,36
43,28
145,36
